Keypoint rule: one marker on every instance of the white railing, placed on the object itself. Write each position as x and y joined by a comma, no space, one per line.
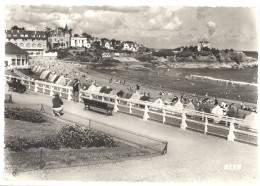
207,123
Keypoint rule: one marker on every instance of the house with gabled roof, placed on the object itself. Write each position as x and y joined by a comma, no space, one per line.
15,57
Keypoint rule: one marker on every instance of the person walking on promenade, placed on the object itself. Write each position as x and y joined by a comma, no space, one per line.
76,90
57,106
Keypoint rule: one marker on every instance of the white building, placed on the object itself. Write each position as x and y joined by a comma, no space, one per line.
15,57
80,42
203,44
130,46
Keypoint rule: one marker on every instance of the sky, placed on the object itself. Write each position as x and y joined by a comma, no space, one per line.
152,26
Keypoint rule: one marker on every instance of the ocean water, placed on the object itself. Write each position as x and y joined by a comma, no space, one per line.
174,80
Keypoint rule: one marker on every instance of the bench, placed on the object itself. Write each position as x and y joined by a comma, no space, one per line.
99,105
16,87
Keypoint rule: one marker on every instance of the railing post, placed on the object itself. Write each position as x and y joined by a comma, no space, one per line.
60,91
22,81
231,135
80,94
43,88
35,87
146,110
29,84
164,114
116,105
130,107
202,116
183,121
51,90
69,94
206,126
103,99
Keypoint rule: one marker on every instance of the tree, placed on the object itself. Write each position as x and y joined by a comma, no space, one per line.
17,28
84,34
76,35
48,31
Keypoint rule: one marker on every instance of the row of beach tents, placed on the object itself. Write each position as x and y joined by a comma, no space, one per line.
49,76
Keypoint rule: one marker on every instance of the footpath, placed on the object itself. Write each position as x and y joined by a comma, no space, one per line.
191,156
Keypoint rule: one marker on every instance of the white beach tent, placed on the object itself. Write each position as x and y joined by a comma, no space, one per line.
92,88
61,81
218,112
136,96
39,69
178,106
251,121
50,77
157,103
190,108
97,90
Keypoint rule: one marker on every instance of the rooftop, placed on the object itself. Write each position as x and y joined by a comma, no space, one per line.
11,48
25,34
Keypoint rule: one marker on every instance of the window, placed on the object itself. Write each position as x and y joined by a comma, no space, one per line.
26,35
13,61
28,45
21,45
23,62
34,45
15,35
9,35
22,35
39,46
18,61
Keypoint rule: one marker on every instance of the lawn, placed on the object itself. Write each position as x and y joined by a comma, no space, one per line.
42,158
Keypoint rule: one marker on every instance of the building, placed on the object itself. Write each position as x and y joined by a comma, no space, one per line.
128,45
60,38
80,42
203,44
34,42
106,44
15,57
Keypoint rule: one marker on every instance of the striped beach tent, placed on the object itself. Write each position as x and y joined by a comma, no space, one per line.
61,81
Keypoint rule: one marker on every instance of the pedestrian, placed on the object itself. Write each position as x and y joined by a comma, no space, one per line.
57,105
76,90
137,87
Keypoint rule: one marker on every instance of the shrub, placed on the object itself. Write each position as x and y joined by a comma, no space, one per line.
73,137
184,54
24,114
144,58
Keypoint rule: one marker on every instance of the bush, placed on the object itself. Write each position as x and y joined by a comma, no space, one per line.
24,114
184,54
73,137
144,58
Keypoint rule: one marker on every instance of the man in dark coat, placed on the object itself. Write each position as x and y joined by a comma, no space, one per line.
57,105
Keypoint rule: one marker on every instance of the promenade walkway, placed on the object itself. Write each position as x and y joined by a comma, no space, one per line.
191,156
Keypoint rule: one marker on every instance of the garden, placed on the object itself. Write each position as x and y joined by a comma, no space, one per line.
33,142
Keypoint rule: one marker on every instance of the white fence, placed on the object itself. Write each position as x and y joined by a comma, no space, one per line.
230,128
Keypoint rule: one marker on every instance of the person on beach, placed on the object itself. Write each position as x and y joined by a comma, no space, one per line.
137,87
76,90
57,106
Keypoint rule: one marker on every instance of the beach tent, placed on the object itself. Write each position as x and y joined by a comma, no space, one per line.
61,81
53,78
251,121
85,86
34,69
92,88
105,90
127,95
145,98
178,106
97,90
120,93
218,112
157,103
113,92
50,76
190,108
136,96
45,74
40,71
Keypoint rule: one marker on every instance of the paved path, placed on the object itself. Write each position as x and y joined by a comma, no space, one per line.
191,157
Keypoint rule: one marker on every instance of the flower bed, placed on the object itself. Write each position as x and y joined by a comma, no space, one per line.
24,114
73,137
